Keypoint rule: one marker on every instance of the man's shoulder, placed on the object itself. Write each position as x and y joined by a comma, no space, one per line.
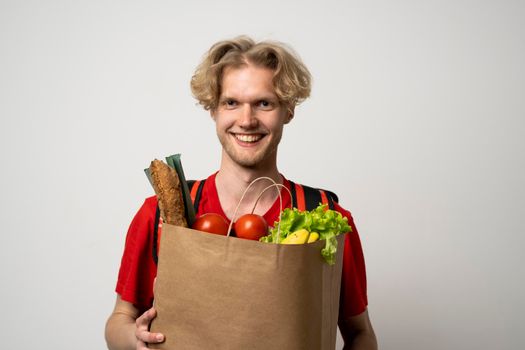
148,208
150,202
311,187
209,181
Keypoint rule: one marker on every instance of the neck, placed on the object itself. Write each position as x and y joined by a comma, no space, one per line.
232,180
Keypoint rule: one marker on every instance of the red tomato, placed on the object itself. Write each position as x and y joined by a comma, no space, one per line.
212,223
251,226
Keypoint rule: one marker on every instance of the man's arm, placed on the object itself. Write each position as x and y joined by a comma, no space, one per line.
126,331
358,333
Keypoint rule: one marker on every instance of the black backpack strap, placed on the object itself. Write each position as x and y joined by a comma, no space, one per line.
156,235
308,198
312,197
190,184
332,197
198,193
294,194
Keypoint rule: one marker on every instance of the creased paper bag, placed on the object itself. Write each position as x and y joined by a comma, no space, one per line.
217,292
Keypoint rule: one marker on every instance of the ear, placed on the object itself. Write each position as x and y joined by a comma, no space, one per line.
290,114
212,114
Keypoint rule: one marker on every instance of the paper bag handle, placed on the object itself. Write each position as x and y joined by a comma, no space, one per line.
274,184
281,206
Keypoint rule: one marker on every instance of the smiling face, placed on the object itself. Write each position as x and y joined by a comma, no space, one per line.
249,118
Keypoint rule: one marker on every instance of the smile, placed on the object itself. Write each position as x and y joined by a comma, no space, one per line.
250,138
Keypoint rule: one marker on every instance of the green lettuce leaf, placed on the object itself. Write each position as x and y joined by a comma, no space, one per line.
328,223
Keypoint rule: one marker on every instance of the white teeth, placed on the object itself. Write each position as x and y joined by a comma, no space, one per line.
248,138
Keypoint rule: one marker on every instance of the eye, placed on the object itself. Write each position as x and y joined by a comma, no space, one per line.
229,103
264,104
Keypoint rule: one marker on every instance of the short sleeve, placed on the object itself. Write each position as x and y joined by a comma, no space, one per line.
353,296
137,267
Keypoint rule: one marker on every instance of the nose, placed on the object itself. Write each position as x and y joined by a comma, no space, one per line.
248,118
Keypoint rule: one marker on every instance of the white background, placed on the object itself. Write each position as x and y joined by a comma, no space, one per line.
416,120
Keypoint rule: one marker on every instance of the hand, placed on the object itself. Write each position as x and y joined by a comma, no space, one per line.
142,333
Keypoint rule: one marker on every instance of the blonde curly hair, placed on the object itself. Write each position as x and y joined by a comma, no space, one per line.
291,80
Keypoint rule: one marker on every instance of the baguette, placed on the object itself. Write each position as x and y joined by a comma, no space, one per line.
167,186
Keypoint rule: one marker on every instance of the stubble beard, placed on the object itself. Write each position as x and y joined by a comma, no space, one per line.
261,158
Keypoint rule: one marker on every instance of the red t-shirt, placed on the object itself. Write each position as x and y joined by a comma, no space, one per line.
138,270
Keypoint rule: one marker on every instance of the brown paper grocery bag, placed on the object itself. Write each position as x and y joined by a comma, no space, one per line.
217,292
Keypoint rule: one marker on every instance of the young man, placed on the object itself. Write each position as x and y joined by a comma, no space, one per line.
251,90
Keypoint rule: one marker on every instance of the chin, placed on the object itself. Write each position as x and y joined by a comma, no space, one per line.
248,161
253,158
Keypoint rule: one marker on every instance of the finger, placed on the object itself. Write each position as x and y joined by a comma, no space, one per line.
148,337
142,332
142,345
145,319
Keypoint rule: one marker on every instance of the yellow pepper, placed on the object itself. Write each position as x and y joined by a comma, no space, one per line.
300,237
